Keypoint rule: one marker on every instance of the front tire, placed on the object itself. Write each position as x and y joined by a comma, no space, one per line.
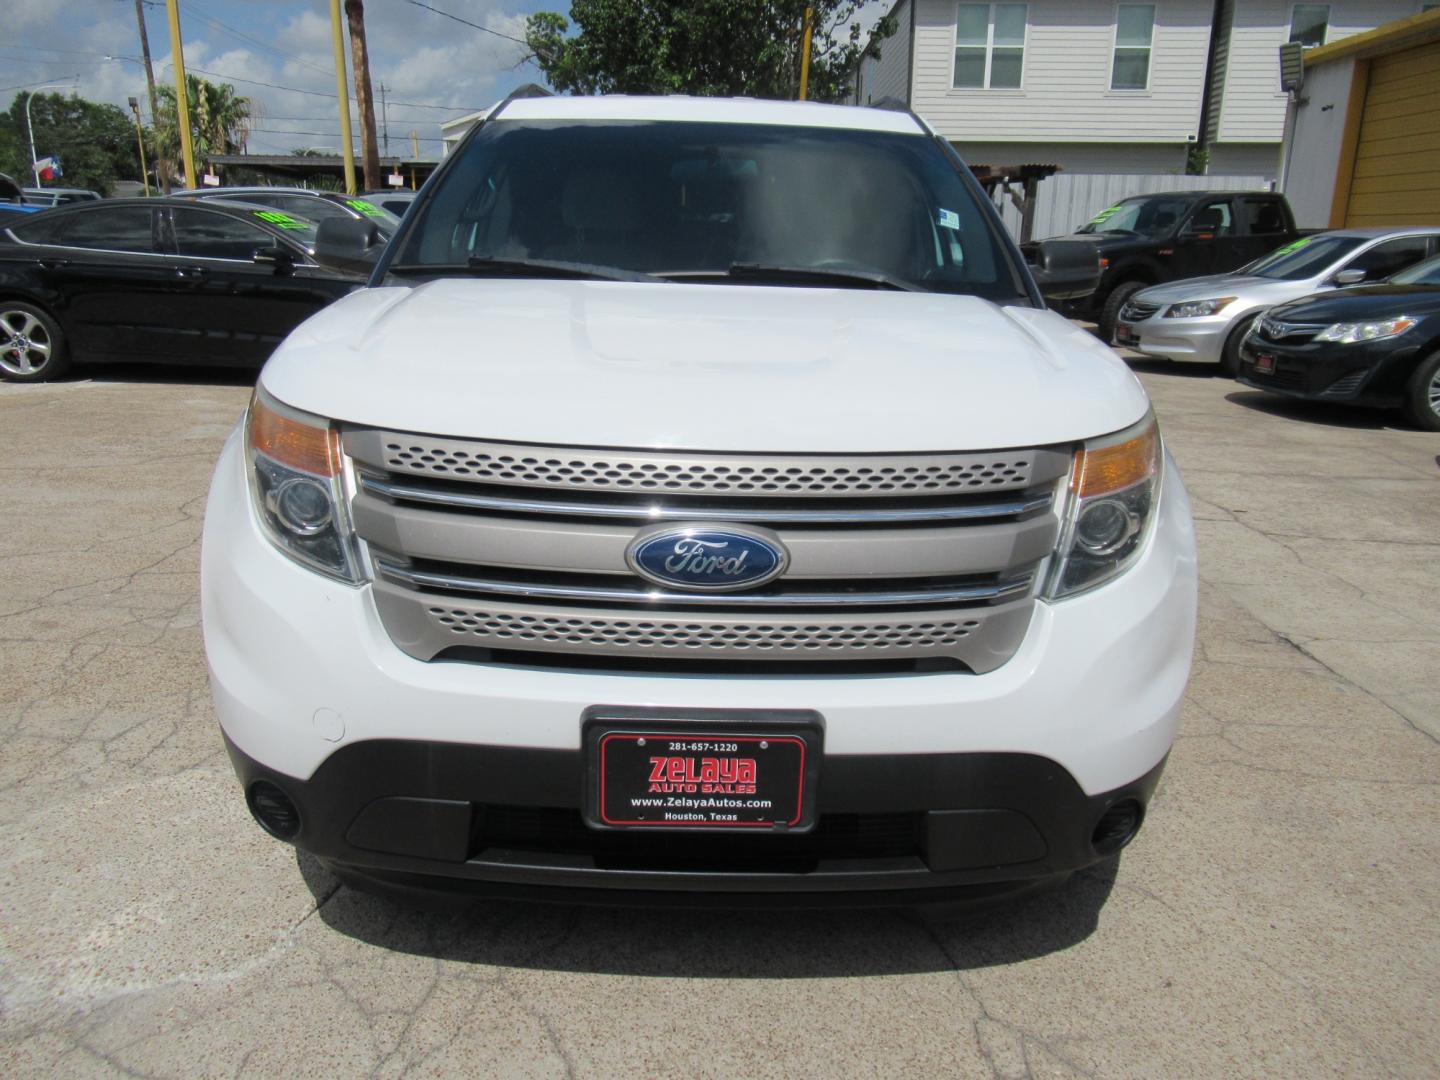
32,345
1230,354
1110,312
1422,394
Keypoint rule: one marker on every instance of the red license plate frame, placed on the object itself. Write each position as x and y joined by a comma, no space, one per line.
700,776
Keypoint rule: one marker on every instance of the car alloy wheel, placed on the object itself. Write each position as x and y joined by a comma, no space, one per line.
25,343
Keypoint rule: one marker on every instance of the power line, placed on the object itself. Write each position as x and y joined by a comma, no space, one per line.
206,17
332,97
467,22
38,82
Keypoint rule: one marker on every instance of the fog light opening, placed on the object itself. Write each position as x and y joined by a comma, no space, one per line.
273,809
1117,826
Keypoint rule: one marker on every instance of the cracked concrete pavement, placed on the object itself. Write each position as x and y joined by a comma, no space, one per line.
1277,917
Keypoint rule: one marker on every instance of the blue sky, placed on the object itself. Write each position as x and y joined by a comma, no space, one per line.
434,68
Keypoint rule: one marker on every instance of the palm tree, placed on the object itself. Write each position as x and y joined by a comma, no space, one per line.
220,120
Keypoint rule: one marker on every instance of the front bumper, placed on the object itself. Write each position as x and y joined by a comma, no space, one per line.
1365,373
313,696
1200,340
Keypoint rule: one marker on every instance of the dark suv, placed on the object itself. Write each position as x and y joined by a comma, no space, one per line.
1150,239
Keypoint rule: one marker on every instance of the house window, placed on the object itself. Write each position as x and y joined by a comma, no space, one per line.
1134,32
989,46
1308,23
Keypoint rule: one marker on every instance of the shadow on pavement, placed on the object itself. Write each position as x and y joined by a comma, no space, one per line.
721,944
170,374
1151,366
1318,412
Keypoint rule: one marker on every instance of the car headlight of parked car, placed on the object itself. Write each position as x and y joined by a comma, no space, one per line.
297,484
1348,333
1113,492
1194,309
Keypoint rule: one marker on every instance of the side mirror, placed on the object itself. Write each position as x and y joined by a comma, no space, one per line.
1064,269
1192,232
1350,277
282,261
348,244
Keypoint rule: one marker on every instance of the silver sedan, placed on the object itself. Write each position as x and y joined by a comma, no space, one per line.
1204,318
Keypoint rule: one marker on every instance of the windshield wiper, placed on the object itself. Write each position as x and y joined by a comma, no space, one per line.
818,274
487,266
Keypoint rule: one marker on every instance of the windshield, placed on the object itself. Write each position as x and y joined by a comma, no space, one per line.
1308,257
1149,216
711,202
1423,273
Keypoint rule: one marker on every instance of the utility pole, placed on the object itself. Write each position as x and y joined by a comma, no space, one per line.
384,120
364,98
162,170
182,100
342,91
140,140
806,34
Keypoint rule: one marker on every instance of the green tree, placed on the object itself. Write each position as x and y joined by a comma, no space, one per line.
220,120
702,47
95,142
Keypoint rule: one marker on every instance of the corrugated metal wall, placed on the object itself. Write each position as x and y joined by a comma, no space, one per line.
1066,201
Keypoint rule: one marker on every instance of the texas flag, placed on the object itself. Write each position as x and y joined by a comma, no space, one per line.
49,168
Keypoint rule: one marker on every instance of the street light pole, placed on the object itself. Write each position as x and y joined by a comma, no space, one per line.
29,128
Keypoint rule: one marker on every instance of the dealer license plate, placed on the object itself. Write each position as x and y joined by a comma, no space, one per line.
1265,363
1125,334
646,776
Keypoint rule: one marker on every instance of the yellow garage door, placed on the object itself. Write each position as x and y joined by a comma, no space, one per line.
1397,161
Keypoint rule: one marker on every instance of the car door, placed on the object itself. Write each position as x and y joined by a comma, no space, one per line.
1208,240
111,280
236,308
1264,226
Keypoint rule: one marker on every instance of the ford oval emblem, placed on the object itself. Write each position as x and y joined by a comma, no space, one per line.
707,558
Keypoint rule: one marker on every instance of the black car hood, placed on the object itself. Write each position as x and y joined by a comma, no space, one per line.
1114,243
1361,302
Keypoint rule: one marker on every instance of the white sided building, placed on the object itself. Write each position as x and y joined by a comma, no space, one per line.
1096,86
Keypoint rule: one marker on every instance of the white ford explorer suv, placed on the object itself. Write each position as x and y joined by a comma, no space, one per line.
700,501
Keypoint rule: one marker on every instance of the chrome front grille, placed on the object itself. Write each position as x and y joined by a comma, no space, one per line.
892,557
1138,310
692,474
1278,330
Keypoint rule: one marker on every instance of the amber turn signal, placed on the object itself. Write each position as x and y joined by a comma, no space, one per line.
291,442
1100,471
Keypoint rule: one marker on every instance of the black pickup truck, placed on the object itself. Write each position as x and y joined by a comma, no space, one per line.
1149,239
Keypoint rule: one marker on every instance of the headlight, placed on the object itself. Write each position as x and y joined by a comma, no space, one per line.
296,473
1348,333
1194,309
1114,487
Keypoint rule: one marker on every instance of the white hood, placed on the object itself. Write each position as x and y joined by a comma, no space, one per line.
704,367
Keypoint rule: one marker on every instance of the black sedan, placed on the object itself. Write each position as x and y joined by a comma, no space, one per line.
304,203
1371,345
157,280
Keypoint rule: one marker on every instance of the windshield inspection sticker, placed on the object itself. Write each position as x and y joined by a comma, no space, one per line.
949,219
279,220
369,209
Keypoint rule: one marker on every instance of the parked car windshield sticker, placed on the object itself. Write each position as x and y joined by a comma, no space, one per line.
279,220
1103,214
949,219
369,209
1294,245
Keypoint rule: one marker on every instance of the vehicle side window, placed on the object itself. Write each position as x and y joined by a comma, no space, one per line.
1389,257
34,230
1212,217
1263,217
115,228
202,234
